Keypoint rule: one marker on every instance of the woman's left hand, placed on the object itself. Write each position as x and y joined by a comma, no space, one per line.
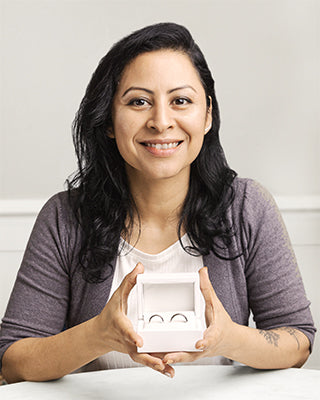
218,338
249,346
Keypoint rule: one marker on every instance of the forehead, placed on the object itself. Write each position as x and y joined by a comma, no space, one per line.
161,67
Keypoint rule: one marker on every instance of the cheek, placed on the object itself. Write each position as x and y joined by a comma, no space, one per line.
125,130
195,121
125,126
195,125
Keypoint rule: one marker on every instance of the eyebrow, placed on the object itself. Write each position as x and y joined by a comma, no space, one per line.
151,92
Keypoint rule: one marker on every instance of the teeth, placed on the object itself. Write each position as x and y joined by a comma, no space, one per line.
164,146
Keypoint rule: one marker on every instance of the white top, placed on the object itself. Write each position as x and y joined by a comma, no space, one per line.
173,259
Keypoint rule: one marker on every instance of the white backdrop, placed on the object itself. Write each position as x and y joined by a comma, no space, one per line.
264,55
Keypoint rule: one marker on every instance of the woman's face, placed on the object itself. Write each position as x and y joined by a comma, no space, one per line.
160,115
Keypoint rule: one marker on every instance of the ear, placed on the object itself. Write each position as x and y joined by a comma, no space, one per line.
208,117
110,132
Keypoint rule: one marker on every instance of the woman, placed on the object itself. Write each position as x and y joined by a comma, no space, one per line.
153,186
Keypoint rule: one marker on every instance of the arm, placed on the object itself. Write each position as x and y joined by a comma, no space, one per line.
34,342
47,358
278,348
41,359
273,287
267,349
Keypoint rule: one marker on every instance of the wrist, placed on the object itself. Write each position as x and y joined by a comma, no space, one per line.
98,336
234,342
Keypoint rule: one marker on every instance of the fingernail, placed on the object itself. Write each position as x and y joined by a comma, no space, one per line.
167,374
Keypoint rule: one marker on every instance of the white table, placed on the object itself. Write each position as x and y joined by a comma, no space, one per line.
190,382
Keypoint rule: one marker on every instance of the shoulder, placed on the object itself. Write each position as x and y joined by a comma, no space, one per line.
56,232
59,200
251,189
57,218
253,205
250,193
258,217
58,205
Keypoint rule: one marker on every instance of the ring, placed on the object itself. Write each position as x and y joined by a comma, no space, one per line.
182,315
156,315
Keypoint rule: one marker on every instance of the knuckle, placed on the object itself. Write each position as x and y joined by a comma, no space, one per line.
137,358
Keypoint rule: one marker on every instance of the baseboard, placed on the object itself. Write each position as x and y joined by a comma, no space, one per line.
32,207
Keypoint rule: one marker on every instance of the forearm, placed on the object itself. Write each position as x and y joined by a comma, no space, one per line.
41,359
267,349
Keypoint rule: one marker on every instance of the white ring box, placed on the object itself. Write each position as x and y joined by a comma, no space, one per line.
166,295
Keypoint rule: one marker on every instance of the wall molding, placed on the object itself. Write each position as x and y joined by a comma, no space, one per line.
31,207
298,203
21,207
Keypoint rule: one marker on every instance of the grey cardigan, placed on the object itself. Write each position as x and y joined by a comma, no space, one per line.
50,295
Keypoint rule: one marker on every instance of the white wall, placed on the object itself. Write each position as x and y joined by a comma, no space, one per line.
264,55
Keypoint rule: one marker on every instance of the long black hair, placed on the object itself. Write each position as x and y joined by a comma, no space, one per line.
99,191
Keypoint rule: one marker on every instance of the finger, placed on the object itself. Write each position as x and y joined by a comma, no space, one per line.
169,371
154,359
149,361
201,344
158,355
173,358
129,282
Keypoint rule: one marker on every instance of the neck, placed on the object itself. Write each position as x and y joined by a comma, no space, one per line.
160,201
159,204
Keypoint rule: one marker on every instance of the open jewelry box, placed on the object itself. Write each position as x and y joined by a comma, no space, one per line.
170,316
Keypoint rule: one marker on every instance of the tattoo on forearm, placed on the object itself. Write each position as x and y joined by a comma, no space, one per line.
273,337
270,336
292,332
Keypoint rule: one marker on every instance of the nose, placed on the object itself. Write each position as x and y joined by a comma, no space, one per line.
160,118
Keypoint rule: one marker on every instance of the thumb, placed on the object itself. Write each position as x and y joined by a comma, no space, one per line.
130,335
208,294
129,282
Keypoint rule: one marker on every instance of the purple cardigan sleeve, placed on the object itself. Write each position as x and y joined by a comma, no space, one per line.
275,289
42,282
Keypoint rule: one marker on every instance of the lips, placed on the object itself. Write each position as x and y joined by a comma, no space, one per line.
162,145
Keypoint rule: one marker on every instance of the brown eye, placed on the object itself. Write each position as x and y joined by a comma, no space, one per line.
181,101
138,102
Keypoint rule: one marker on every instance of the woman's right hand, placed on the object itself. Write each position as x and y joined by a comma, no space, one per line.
72,348
117,332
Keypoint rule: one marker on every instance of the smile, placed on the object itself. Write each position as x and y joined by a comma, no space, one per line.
163,146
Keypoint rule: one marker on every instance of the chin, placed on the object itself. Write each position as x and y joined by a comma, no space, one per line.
169,174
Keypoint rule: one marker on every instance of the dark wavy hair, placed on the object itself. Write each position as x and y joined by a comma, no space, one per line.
99,191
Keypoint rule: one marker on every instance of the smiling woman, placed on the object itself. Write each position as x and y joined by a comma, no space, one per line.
153,193
160,116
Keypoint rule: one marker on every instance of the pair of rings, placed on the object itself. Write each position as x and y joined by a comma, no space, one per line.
159,318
